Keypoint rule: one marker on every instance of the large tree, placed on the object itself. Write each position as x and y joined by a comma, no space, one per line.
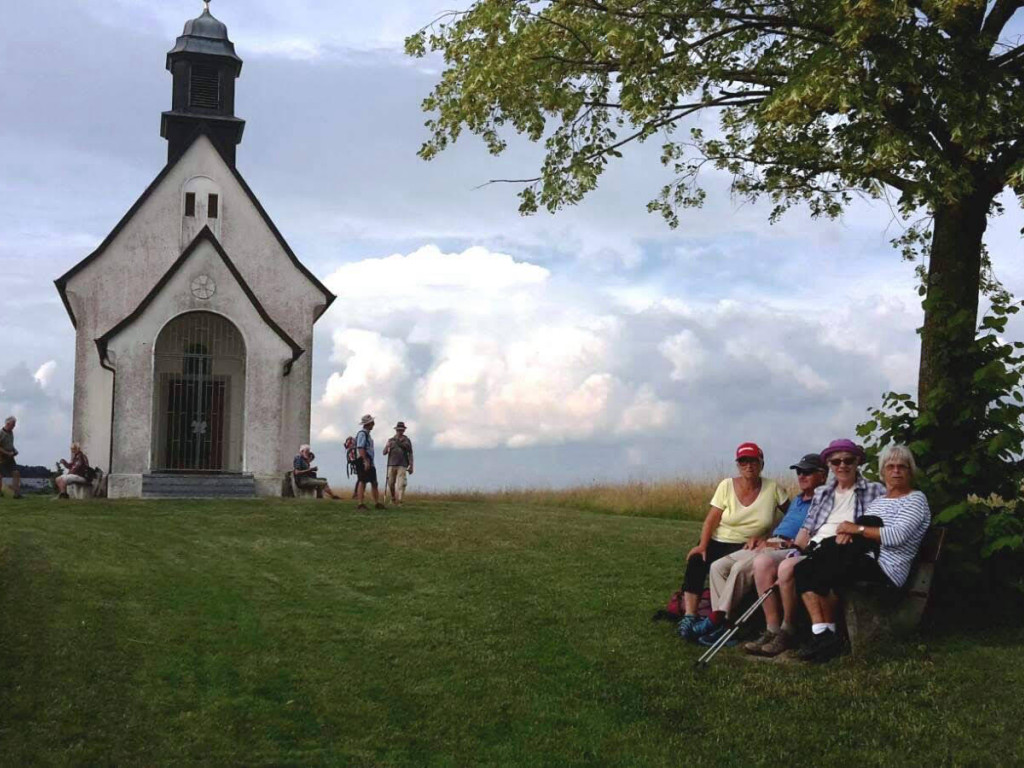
816,100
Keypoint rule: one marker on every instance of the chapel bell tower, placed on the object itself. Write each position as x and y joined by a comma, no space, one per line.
204,65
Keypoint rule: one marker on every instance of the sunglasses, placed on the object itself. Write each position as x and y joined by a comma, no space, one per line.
748,460
807,472
847,462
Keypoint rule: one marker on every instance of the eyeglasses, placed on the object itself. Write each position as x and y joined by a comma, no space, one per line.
748,460
849,461
903,467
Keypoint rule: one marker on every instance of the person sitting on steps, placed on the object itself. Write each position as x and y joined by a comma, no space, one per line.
304,473
75,471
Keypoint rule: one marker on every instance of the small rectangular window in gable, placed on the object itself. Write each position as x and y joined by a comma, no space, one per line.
190,203
212,207
204,87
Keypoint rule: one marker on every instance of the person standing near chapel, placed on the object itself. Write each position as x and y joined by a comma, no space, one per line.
366,472
7,453
400,461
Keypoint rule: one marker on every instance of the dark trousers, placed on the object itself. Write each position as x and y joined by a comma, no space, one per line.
834,567
697,567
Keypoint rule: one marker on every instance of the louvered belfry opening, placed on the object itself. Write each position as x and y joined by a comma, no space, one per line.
198,395
204,86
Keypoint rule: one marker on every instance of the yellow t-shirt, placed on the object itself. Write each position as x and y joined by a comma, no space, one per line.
739,523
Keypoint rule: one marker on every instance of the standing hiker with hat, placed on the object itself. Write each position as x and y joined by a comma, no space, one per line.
399,452
366,472
741,514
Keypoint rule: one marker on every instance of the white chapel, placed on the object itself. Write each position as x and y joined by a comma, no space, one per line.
194,318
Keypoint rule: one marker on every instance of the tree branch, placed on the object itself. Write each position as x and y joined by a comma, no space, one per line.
1001,13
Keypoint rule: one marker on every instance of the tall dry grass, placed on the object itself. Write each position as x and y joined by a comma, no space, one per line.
679,499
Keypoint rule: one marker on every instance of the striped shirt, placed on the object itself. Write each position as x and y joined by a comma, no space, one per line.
825,496
906,522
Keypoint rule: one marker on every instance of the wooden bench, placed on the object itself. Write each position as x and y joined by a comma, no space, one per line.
86,490
304,493
876,616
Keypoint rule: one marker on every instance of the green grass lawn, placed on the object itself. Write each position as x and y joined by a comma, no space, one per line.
450,633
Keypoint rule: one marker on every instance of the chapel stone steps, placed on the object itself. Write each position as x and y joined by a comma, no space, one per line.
195,486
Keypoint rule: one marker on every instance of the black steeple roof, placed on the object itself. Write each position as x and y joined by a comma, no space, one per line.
204,65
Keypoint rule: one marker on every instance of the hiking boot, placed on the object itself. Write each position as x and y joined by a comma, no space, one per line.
379,506
713,637
685,627
780,641
703,627
831,647
360,506
754,646
821,647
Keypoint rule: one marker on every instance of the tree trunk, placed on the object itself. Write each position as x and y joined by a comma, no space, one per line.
951,313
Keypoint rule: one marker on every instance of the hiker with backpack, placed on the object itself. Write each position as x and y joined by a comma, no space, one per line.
76,471
366,472
399,452
741,514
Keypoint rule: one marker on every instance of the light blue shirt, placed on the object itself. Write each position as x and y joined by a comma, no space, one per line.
789,526
364,441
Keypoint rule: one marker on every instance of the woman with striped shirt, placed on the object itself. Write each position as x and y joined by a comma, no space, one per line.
887,551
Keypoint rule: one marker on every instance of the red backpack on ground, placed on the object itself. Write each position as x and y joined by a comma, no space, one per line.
674,610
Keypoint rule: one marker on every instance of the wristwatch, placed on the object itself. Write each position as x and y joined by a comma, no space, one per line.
861,530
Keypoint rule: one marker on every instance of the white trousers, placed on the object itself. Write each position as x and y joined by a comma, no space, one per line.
398,480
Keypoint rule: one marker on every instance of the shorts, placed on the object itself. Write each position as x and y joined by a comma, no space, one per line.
366,475
8,466
74,479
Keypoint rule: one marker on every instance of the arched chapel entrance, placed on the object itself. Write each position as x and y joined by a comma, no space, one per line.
198,395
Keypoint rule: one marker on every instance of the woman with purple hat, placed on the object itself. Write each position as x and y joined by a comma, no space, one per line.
741,514
878,548
843,499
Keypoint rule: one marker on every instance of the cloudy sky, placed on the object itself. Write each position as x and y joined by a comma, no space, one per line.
549,350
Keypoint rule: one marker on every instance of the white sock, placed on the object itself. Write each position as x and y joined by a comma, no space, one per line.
831,627
787,628
818,628
774,628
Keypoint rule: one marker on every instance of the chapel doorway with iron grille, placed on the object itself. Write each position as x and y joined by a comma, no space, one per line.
198,395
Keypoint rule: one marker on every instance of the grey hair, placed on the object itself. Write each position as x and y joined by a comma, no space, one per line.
9,419
304,447
897,452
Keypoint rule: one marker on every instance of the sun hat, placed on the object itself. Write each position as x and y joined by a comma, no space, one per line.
400,425
367,419
810,462
843,445
749,451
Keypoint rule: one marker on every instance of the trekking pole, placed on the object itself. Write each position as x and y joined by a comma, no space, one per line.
709,654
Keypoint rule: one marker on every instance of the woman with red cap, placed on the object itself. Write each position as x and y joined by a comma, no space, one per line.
741,514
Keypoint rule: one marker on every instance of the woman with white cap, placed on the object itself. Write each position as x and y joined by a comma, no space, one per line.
741,514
